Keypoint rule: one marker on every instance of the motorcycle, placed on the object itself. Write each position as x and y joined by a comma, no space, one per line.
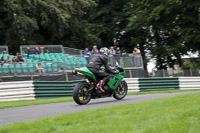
84,91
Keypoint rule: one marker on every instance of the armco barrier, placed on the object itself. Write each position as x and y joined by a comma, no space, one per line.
133,84
12,91
189,83
150,84
160,83
53,89
28,90
25,90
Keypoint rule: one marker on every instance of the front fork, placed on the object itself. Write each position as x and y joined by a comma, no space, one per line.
119,89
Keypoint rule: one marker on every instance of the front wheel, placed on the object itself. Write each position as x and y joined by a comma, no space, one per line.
79,93
121,91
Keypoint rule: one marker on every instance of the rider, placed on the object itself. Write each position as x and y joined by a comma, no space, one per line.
95,64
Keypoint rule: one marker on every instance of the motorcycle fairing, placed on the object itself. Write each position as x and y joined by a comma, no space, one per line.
87,72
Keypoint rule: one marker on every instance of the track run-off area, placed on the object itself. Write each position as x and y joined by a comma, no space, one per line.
28,113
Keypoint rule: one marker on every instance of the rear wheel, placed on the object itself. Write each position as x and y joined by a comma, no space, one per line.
79,93
121,91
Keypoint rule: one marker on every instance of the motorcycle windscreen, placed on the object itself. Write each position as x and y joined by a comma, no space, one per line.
114,82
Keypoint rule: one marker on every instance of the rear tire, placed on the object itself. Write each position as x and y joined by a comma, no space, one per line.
79,93
121,91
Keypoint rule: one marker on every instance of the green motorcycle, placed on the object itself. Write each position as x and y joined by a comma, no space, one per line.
86,90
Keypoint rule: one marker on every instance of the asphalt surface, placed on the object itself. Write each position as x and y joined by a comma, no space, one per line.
28,113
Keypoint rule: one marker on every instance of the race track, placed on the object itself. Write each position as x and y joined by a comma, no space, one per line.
28,113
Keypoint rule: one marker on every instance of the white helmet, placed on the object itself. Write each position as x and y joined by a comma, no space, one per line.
104,50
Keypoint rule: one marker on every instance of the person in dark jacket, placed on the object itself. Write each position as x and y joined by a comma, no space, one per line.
95,64
19,58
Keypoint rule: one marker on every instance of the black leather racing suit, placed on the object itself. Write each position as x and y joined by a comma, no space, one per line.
95,64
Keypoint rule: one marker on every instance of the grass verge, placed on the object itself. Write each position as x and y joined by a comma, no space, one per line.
164,91
179,114
21,103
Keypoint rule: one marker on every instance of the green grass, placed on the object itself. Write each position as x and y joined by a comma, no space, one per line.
21,103
179,114
164,91
12,104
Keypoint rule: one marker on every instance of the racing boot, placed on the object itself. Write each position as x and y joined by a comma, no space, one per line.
100,85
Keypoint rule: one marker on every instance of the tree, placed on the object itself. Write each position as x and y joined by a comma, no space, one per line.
106,22
165,28
40,22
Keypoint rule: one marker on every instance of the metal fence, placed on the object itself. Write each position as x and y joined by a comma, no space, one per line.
61,64
4,50
72,51
30,68
24,49
128,61
130,73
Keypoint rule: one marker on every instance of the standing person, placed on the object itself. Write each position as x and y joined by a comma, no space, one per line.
136,52
94,50
118,55
137,57
112,53
87,54
36,51
19,58
118,51
30,52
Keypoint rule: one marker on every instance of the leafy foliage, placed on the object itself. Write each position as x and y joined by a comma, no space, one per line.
163,30
40,22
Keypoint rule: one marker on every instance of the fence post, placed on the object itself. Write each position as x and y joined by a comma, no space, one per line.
130,73
191,72
31,76
66,75
163,70
153,73
183,73
173,72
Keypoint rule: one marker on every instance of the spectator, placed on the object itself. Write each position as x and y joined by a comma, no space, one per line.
37,51
39,68
136,52
118,54
137,57
95,50
118,51
19,58
2,60
87,54
112,51
8,60
14,60
30,52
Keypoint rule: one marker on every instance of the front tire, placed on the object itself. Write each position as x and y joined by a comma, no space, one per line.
79,93
121,91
